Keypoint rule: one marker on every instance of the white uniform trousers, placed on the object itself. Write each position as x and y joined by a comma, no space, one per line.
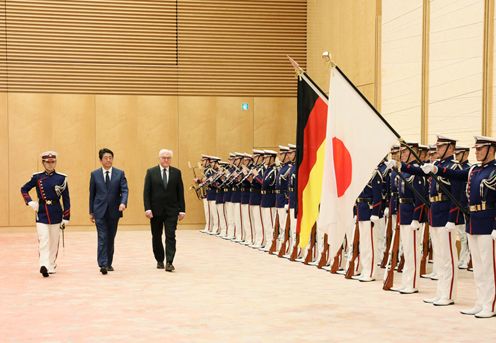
229,211
292,232
282,215
214,217
380,238
434,232
464,250
447,269
206,210
238,227
268,222
411,252
258,229
483,249
246,223
222,219
350,235
367,249
48,244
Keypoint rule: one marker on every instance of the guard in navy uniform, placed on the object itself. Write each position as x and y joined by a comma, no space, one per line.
51,217
256,180
481,225
292,199
244,188
281,193
461,154
211,173
268,200
409,209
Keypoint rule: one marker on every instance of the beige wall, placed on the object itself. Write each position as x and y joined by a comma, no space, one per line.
135,128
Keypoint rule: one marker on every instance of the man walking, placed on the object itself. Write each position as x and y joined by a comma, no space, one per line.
163,197
108,199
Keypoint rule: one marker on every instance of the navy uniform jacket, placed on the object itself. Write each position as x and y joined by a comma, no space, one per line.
235,189
292,187
424,210
409,205
256,187
281,188
439,213
268,187
49,188
481,181
393,192
456,213
228,185
103,198
209,173
384,187
369,202
245,190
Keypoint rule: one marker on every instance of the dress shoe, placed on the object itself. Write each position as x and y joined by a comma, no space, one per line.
396,289
44,271
169,267
160,265
485,314
103,270
409,290
443,302
431,300
110,268
471,311
366,279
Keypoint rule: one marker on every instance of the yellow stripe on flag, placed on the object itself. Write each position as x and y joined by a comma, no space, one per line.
311,196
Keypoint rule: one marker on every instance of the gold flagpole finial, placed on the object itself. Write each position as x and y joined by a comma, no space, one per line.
327,57
298,70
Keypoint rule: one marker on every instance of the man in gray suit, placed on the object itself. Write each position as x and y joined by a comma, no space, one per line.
108,199
163,197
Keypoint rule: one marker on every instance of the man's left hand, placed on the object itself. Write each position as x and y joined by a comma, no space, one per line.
122,207
64,224
181,216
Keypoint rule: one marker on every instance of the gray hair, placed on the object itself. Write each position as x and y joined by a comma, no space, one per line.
165,152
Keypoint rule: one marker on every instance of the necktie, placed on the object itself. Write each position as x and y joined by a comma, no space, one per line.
107,179
164,178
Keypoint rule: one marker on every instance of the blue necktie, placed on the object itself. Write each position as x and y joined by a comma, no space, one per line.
107,179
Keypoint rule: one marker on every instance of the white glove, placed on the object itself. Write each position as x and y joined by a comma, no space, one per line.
386,212
450,226
428,168
415,225
493,234
390,164
34,205
374,219
64,224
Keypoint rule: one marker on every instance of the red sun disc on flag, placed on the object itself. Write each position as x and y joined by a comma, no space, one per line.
342,166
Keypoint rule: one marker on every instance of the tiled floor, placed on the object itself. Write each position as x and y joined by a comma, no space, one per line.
221,292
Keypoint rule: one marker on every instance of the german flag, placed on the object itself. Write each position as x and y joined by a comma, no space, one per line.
310,153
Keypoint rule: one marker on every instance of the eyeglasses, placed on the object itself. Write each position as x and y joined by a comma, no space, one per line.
165,157
50,162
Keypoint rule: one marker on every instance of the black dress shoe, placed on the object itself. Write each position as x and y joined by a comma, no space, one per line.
44,271
110,269
103,270
160,265
169,267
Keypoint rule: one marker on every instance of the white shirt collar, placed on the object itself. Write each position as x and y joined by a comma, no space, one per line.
162,169
110,172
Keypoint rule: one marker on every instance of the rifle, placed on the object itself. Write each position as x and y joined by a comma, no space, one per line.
425,250
311,249
389,238
393,258
401,264
324,257
294,253
356,239
287,235
275,236
337,260
199,190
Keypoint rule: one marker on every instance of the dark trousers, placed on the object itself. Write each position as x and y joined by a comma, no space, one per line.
106,228
158,224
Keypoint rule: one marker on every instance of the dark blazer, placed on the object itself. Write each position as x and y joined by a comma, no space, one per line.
163,201
101,198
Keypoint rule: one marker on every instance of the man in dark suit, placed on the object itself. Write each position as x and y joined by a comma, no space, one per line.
108,199
164,205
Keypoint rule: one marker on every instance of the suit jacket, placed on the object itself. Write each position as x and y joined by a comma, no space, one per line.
163,201
102,198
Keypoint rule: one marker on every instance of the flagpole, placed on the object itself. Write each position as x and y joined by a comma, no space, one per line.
301,73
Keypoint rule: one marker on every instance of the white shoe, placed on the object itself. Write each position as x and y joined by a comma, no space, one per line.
300,259
431,300
396,289
485,314
366,279
434,276
471,311
443,302
328,268
409,290
463,266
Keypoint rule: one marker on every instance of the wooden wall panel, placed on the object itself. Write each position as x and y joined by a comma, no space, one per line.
4,151
347,30
49,122
135,128
274,122
197,122
368,91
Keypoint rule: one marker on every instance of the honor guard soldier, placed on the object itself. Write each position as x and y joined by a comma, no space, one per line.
228,205
205,164
51,216
461,155
481,225
392,199
255,179
244,187
219,200
281,194
211,173
268,200
409,210
236,198
292,201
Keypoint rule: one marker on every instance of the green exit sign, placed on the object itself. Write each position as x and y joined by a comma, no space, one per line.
244,106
